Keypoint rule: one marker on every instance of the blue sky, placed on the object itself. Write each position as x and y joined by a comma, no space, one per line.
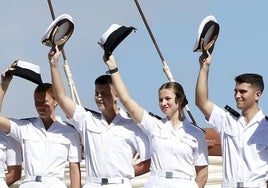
241,47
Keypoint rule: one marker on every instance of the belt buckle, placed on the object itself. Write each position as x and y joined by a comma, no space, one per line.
240,184
104,181
169,175
38,178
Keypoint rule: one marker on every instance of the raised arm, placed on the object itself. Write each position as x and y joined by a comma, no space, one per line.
66,103
5,80
201,92
132,107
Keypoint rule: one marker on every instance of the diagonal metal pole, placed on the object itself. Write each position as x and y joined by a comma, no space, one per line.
164,64
67,70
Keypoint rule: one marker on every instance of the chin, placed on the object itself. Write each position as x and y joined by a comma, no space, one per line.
240,107
101,108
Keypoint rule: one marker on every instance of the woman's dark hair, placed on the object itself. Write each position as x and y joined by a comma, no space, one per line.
178,91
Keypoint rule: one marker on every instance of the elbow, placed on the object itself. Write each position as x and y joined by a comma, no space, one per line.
198,102
14,174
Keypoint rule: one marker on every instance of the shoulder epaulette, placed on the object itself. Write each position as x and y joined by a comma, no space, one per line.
266,117
232,111
92,111
154,115
30,118
195,125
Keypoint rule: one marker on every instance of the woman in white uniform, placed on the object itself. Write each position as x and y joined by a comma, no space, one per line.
179,156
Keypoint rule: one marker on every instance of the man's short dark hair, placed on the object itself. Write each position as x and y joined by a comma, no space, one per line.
255,80
104,79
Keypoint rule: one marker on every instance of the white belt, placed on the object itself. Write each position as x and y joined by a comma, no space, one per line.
105,181
172,174
39,178
259,184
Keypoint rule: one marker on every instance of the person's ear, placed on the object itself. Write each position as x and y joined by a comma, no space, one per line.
258,93
55,103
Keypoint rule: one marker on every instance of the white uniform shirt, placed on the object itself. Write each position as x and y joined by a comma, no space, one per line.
245,147
175,150
109,149
10,153
45,152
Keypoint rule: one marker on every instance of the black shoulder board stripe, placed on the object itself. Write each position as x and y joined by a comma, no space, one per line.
29,118
154,115
266,117
92,111
195,125
232,111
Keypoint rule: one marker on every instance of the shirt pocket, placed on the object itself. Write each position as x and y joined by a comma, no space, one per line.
31,140
189,140
33,146
160,135
161,142
60,140
122,135
60,144
93,129
231,131
116,140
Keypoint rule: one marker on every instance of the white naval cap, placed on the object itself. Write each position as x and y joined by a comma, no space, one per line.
26,70
114,36
207,35
59,31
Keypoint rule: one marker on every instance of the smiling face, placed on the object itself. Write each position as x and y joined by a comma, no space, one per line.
44,104
248,90
104,96
168,102
246,95
172,99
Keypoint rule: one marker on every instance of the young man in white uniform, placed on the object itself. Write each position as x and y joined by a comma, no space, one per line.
244,137
10,160
47,142
110,139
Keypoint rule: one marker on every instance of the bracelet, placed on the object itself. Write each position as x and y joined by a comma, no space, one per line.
112,71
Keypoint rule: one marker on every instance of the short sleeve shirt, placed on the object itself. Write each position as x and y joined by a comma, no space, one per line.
110,148
245,147
10,152
179,149
46,152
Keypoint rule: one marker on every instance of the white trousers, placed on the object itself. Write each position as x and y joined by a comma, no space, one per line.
47,183
162,182
95,185
117,182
